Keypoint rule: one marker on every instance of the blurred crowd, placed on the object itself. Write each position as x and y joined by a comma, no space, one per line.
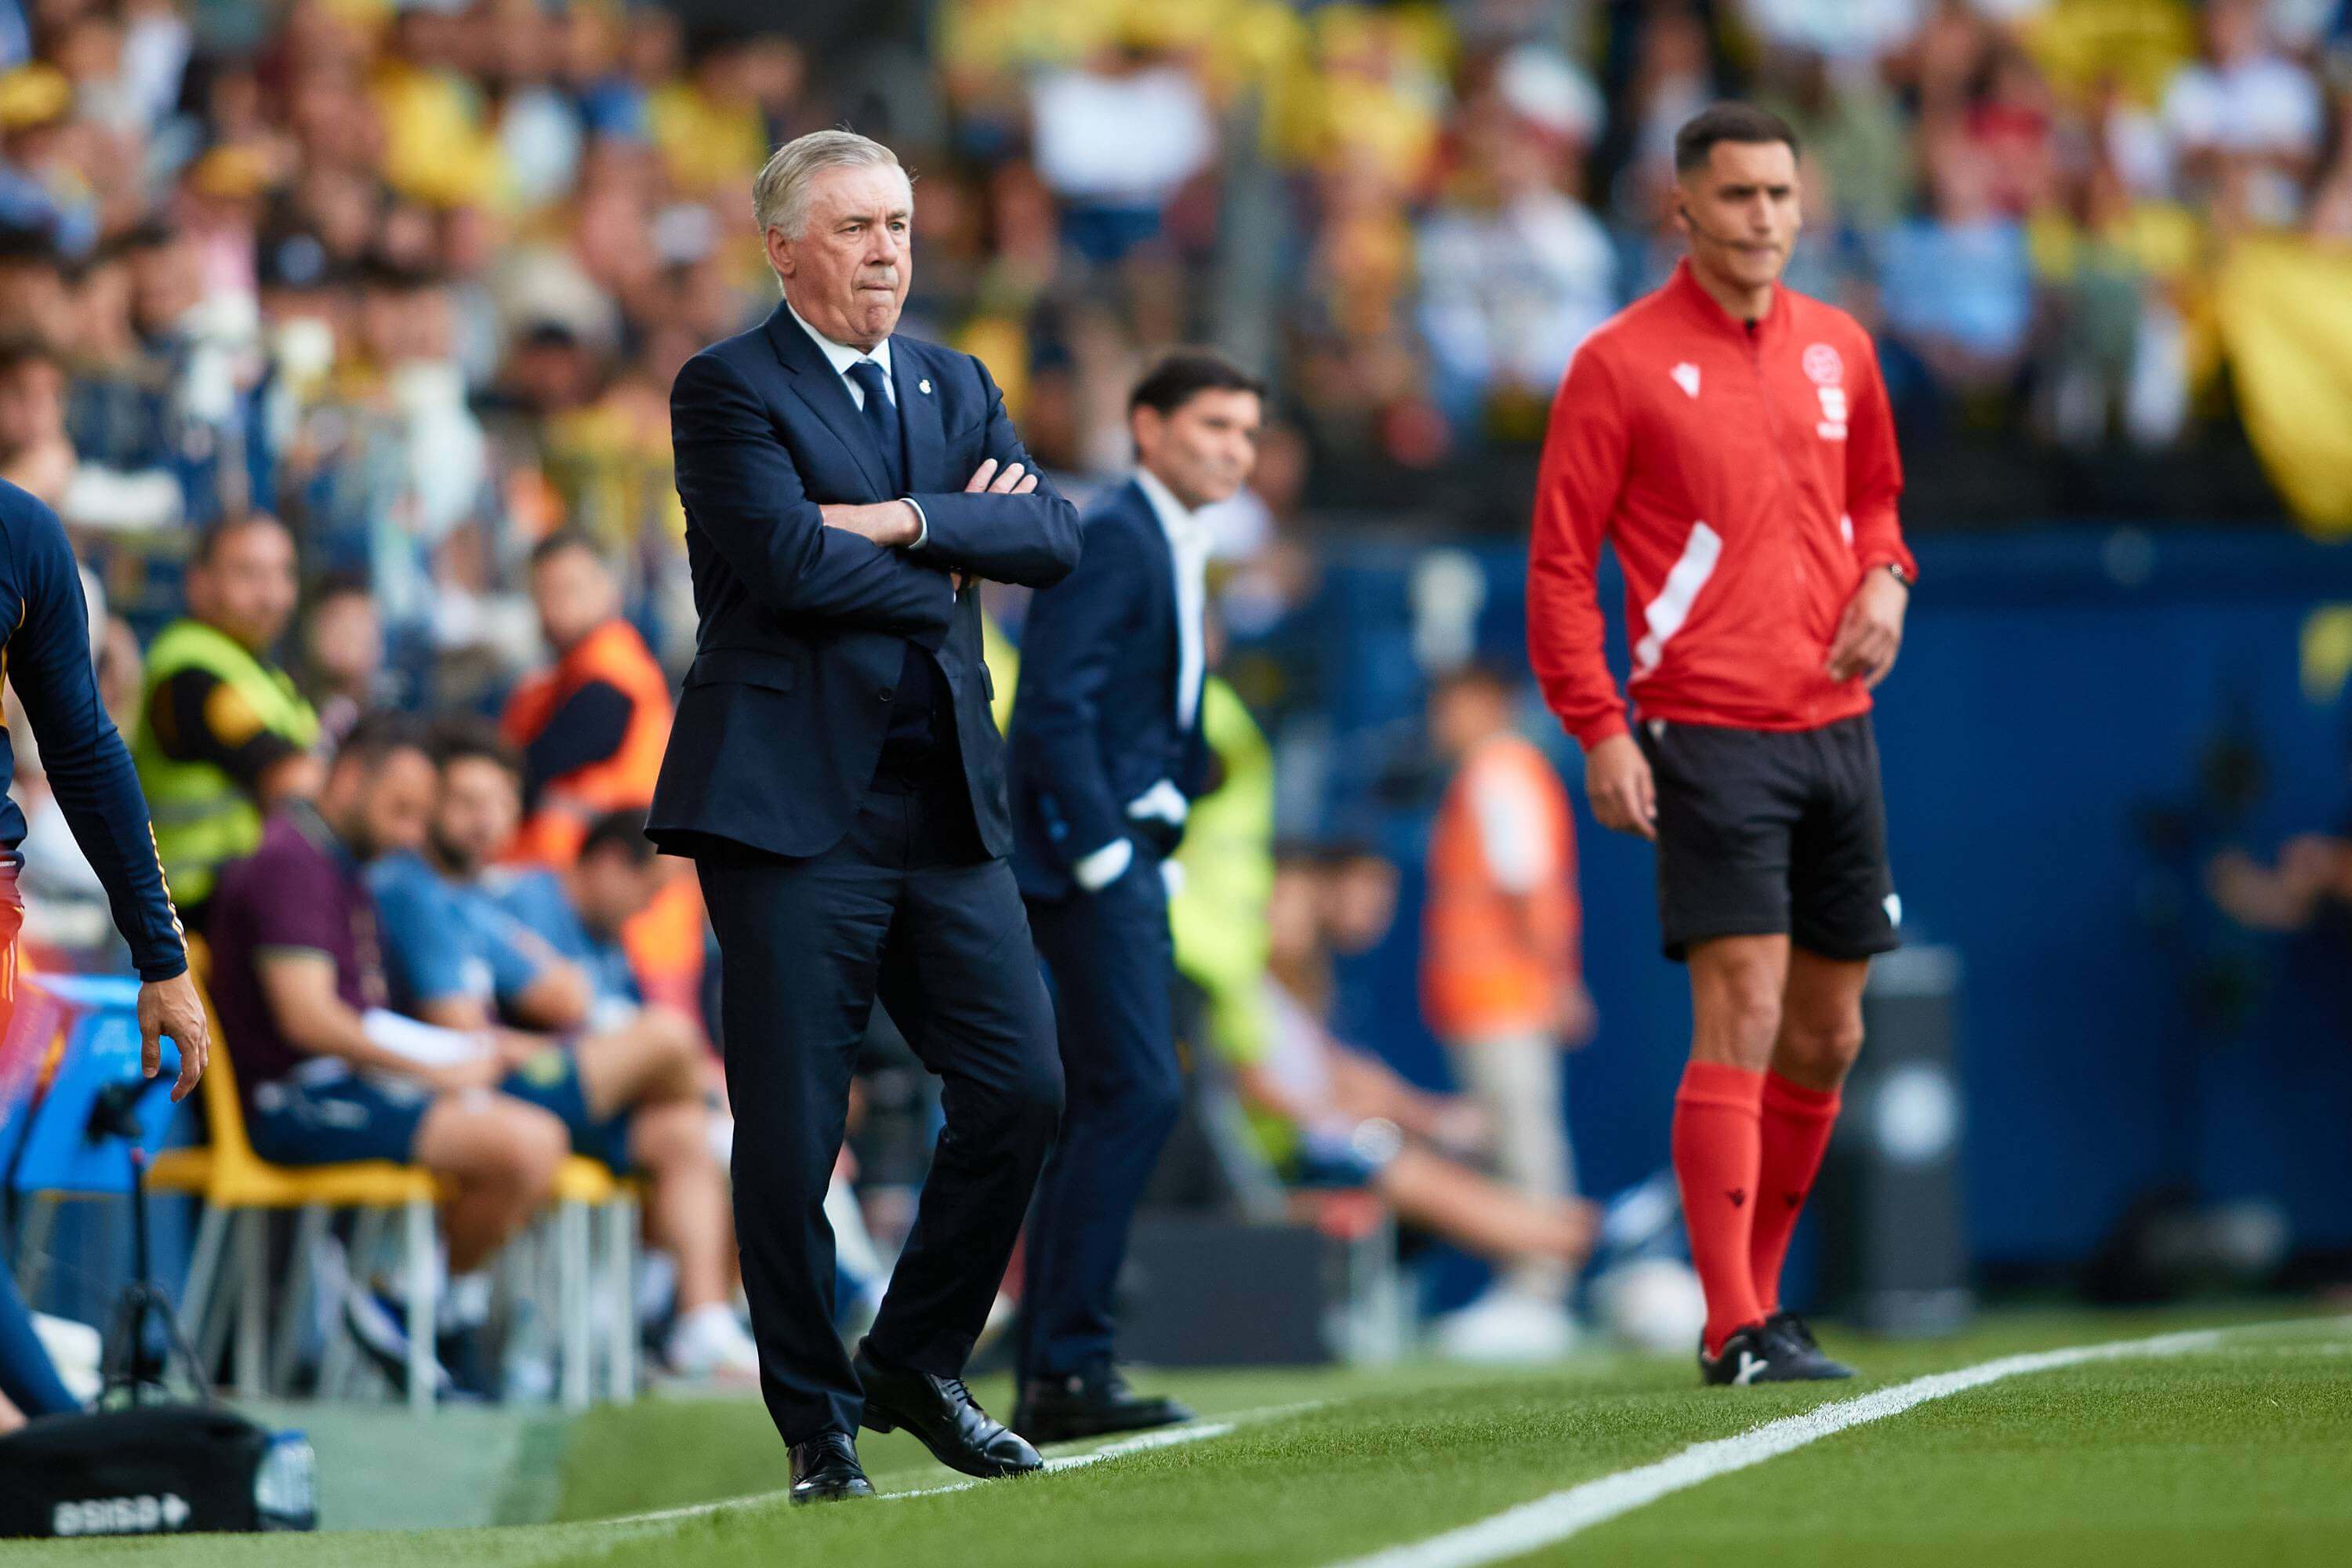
415,275
345,328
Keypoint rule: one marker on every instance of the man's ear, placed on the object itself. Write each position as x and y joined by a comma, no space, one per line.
1144,426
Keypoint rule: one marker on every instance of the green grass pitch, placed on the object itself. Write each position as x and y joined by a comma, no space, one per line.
2239,1452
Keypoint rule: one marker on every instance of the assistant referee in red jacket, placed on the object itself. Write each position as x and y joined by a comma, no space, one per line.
1731,438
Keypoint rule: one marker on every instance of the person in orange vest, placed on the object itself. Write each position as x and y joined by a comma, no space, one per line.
593,726
592,729
1502,984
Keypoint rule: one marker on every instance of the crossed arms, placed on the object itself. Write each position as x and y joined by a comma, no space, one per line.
855,564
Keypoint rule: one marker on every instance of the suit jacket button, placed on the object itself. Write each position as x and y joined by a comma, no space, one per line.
889,694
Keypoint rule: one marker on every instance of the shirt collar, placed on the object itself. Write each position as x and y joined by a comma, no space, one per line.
1685,283
841,356
1176,520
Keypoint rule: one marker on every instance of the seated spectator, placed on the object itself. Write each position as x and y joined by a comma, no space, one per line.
1350,1122
326,1072
342,656
1513,276
2246,122
1116,138
580,911
29,1385
593,724
35,454
33,294
224,737
1958,284
37,451
629,1090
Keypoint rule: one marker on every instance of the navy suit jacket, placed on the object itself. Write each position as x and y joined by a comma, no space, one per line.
1094,719
805,628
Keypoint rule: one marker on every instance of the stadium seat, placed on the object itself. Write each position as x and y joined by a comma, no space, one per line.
240,1189
586,1188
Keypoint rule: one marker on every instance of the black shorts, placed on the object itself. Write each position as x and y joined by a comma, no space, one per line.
1770,833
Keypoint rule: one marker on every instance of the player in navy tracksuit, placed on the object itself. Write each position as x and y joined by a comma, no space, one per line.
44,651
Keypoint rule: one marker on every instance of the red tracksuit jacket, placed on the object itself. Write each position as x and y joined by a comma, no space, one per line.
1748,477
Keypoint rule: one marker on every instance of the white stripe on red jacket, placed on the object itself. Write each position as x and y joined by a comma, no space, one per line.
1747,476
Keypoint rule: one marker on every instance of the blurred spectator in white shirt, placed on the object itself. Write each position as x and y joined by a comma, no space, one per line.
1116,139
2245,121
1957,285
1846,31
1516,272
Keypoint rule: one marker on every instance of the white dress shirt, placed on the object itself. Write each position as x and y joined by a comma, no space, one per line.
1189,542
841,356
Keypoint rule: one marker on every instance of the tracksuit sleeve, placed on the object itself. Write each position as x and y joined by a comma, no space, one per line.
1576,492
88,766
1873,475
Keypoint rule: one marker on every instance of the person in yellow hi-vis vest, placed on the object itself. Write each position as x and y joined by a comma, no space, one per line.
224,735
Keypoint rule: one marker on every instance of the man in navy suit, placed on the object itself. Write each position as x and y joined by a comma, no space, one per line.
834,773
1106,756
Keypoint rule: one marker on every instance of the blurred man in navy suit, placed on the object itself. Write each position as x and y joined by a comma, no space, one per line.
834,773
1107,757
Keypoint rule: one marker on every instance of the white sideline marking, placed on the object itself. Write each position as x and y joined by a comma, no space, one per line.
1165,1437
1548,1520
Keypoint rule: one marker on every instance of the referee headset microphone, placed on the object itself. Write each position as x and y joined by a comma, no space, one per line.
1710,236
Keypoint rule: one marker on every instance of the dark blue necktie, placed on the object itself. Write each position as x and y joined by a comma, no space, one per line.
881,419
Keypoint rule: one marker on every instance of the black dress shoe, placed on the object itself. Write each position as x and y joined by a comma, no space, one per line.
825,1469
1793,1342
1089,1404
942,1414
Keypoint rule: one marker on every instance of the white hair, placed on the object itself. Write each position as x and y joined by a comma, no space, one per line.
780,196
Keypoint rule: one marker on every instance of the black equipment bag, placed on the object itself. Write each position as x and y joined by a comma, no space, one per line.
155,1469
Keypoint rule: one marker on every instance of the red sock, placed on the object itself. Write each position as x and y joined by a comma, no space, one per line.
1718,1149
1797,1122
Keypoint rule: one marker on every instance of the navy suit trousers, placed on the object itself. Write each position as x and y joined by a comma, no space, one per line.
907,909
1114,970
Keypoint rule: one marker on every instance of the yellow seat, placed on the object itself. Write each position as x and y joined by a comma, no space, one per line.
228,1172
231,1180
236,1183
586,1187
583,1180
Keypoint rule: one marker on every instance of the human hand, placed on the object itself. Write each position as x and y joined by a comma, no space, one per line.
1617,781
172,1008
513,1047
487,1070
1013,481
1870,633
1460,1126
1577,1019
892,524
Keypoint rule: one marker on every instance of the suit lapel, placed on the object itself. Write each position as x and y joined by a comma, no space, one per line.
820,387
1171,602
919,421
